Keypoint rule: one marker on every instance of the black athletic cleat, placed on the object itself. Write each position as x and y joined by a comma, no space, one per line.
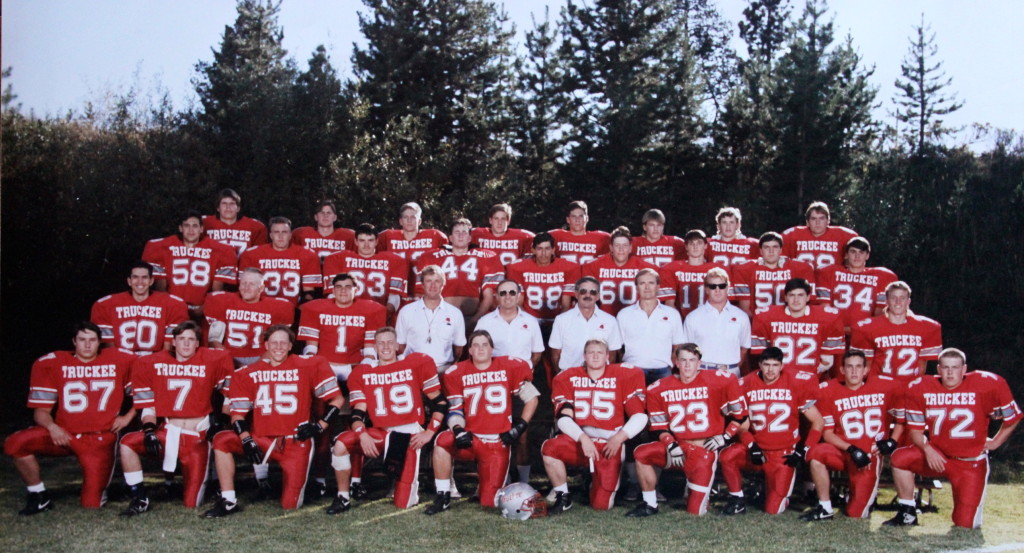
315,491
441,503
36,503
263,490
358,491
735,506
562,503
137,506
222,509
642,510
816,514
905,516
338,506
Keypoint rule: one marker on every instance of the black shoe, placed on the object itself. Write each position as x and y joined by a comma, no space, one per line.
170,491
642,510
263,490
315,491
339,505
906,516
815,514
441,503
358,491
562,503
735,506
137,506
36,503
222,509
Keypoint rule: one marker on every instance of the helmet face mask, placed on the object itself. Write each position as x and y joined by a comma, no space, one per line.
520,501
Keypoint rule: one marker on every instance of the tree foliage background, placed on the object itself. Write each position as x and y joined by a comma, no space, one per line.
627,104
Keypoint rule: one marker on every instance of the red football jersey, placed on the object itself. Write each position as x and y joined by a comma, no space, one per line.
895,350
180,389
803,340
485,396
604,403
861,416
545,286
241,235
684,283
618,287
855,295
394,393
88,396
376,277
190,270
343,332
661,252
512,246
957,420
819,251
698,409
775,410
138,326
245,322
580,249
732,252
340,240
765,286
465,274
392,240
285,273
281,397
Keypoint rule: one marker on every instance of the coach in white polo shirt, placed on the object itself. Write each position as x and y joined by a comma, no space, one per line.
514,331
431,325
650,330
721,329
572,329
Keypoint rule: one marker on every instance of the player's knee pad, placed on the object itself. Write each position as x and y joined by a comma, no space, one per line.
341,462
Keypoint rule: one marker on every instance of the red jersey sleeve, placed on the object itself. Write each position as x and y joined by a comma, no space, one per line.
225,263
493,270
656,407
44,383
155,254
427,372
325,383
633,389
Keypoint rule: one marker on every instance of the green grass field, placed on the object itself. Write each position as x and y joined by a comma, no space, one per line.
376,525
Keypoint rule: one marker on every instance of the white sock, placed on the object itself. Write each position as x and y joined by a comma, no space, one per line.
229,496
133,478
343,495
736,494
650,498
524,473
40,487
562,488
442,485
907,502
827,505
262,471
356,480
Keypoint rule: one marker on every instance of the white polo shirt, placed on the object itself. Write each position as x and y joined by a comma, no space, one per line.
432,332
649,339
571,330
519,338
720,334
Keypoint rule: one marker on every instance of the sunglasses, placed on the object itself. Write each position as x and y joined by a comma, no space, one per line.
587,292
504,293
720,286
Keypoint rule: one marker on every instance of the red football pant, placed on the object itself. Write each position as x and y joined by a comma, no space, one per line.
193,454
408,486
698,466
606,471
492,461
968,479
293,456
779,478
863,481
94,450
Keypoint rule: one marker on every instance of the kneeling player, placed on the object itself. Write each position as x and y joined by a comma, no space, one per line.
857,416
694,413
389,393
480,391
598,407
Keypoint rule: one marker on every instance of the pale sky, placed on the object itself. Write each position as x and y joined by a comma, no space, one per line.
67,52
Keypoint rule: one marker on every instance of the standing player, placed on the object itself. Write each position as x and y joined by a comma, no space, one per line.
511,244
616,271
431,325
289,271
682,281
759,284
231,229
955,407
818,243
809,336
597,408
176,387
279,391
471,275
389,393
656,247
380,276
189,265
482,428
856,290
237,320
770,438
139,320
858,412
409,241
730,246
87,388
547,280
694,413
720,329
325,239
572,329
577,244
898,343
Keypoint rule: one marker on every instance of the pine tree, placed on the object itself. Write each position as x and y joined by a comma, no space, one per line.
322,121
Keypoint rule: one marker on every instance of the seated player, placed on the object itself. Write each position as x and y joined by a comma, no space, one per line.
139,320
694,413
237,319
656,247
289,271
597,407
770,440
729,246
511,244
577,244
819,243
324,238
809,335
856,290
177,387
86,387
759,284
481,427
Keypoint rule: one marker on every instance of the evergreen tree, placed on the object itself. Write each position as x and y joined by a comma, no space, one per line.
322,122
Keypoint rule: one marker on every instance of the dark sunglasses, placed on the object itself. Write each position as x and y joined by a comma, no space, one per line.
721,286
587,292
504,293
